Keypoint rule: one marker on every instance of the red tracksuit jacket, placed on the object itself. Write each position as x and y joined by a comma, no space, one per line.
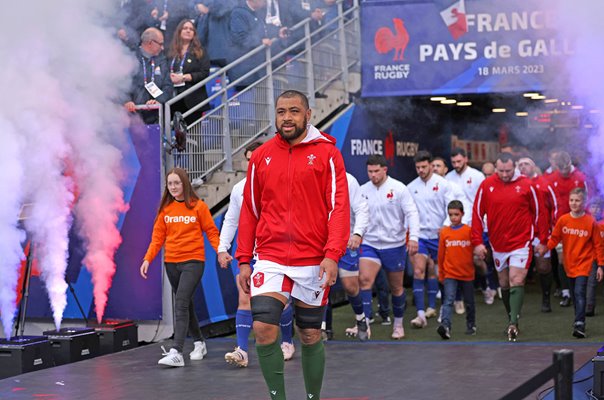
514,215
295,209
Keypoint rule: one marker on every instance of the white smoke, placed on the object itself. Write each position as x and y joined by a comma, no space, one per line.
10,235
63,75
583,23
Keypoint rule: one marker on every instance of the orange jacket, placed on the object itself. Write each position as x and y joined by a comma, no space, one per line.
581,243
455,259
181,229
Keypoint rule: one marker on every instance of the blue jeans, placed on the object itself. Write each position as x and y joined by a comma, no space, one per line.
467,288
592,284
578,291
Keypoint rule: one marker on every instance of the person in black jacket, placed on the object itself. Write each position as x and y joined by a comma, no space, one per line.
189,64
151,82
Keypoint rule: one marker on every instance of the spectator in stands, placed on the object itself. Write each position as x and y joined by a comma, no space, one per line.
248,30
298,11
170,13
134,16
181,221
189,64
216,36
151,83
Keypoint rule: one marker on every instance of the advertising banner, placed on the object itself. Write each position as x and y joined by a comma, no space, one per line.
460,46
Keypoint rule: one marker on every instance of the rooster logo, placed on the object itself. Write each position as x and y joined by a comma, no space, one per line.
385,40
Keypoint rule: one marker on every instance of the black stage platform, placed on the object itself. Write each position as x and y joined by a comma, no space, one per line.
360,371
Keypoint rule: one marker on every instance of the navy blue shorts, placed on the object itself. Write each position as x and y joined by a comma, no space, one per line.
428,247
350,261
392,260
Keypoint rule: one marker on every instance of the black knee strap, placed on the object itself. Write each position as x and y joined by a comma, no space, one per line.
309,318
266,309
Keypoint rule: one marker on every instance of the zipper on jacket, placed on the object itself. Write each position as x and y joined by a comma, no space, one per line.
289,210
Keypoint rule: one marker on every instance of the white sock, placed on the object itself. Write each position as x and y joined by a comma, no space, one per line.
565,293
398,321
360,317
421,313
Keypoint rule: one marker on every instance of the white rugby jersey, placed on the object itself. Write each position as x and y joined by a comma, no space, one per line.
458,194
431,198
391,208
231,218
359,210
469,180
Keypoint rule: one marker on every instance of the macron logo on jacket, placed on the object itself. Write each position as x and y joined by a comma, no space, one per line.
180,218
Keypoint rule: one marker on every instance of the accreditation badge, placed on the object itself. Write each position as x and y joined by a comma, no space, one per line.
153,90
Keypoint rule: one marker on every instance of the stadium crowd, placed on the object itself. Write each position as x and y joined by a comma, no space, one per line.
177,42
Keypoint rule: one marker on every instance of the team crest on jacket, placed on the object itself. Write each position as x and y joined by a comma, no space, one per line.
390,194
491,188
258,279
469,182
311,159
435,188
517,189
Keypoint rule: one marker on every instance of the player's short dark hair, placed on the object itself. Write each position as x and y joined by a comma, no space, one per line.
458,151
422,155
288,94
455,205
439,158
505,157
252,146
377,159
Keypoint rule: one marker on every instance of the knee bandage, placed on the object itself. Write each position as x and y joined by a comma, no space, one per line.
309,318
266,309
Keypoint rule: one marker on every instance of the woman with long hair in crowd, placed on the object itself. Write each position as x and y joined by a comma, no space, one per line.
189,64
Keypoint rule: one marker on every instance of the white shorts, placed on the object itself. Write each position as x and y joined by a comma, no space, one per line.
301,282
519,258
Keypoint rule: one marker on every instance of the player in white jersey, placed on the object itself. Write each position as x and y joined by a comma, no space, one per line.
465,176
431,193
243,317
439,167
391,208
348,267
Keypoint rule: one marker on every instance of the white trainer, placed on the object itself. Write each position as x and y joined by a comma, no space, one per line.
237,357
352,332
171,358
459,307
288,350
199,351
419,322
431,313
489,295
398,332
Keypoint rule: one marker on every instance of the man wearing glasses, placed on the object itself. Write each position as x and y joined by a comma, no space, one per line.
151,83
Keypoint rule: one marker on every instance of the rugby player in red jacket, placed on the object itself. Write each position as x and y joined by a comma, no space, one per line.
514,217
527,167
295,221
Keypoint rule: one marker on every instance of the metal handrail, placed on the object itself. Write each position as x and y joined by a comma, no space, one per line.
222,132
